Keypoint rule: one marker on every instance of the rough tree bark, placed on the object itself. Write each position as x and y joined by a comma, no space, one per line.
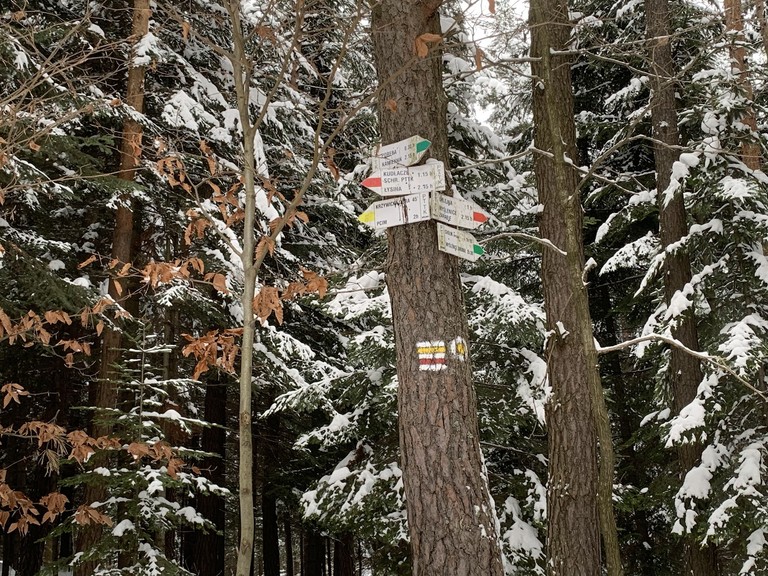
270,446
289,567
208,554
684,369
130,154
343,555
313,554
761,23
734,23
579,497
450,511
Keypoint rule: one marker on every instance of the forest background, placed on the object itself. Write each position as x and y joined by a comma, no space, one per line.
140,142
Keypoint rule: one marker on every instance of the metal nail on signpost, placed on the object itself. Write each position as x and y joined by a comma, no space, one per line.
457,211
458,243
407,180
404,153
397,211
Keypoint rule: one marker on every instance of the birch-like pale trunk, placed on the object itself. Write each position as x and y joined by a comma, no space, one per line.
242,75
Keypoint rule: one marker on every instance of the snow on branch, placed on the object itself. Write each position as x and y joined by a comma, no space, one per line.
716,361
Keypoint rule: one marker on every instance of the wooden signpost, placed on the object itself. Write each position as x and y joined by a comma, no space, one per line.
404,153
457,211
397,211
394,175
407,180
458,243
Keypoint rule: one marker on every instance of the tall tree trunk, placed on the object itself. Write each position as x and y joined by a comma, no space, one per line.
450,511
761,23
208,553
684,369
313,557
242,77
580,496
343,555
289,567
269,442
8,555
106,387
734,23
270,538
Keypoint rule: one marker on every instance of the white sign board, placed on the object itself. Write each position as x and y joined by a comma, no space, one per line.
458,243
457,211
408,180
403,153
397,211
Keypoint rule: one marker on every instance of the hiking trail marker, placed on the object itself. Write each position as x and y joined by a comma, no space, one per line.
431,355
458,243
404,153
411,186
397,211
407,180
457,211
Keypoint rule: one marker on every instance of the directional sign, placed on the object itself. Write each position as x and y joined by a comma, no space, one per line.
396,211
458,243
405,180
403,153
457,211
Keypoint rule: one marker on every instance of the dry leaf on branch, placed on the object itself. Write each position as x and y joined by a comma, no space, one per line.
391,104
420,44
266,33
332,165
55,502
266,243
185,28
479,58
54,316
267,302
90,259
315,282
209,157
34,146
86,515
219,281
5,322
12,391
137,450
293,289
492,6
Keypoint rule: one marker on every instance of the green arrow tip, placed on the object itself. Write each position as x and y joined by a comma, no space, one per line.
478,249
422,145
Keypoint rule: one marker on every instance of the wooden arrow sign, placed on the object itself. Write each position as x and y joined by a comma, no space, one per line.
397,211
458,243
457,211
403,153
408,180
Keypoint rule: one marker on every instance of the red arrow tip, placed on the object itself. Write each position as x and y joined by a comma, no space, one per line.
372,182
479,217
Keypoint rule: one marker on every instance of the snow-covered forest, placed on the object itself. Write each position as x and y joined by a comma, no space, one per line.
218,357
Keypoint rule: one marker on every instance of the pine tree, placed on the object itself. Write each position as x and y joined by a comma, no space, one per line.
436,409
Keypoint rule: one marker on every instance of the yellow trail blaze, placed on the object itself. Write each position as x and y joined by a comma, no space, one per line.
432,350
